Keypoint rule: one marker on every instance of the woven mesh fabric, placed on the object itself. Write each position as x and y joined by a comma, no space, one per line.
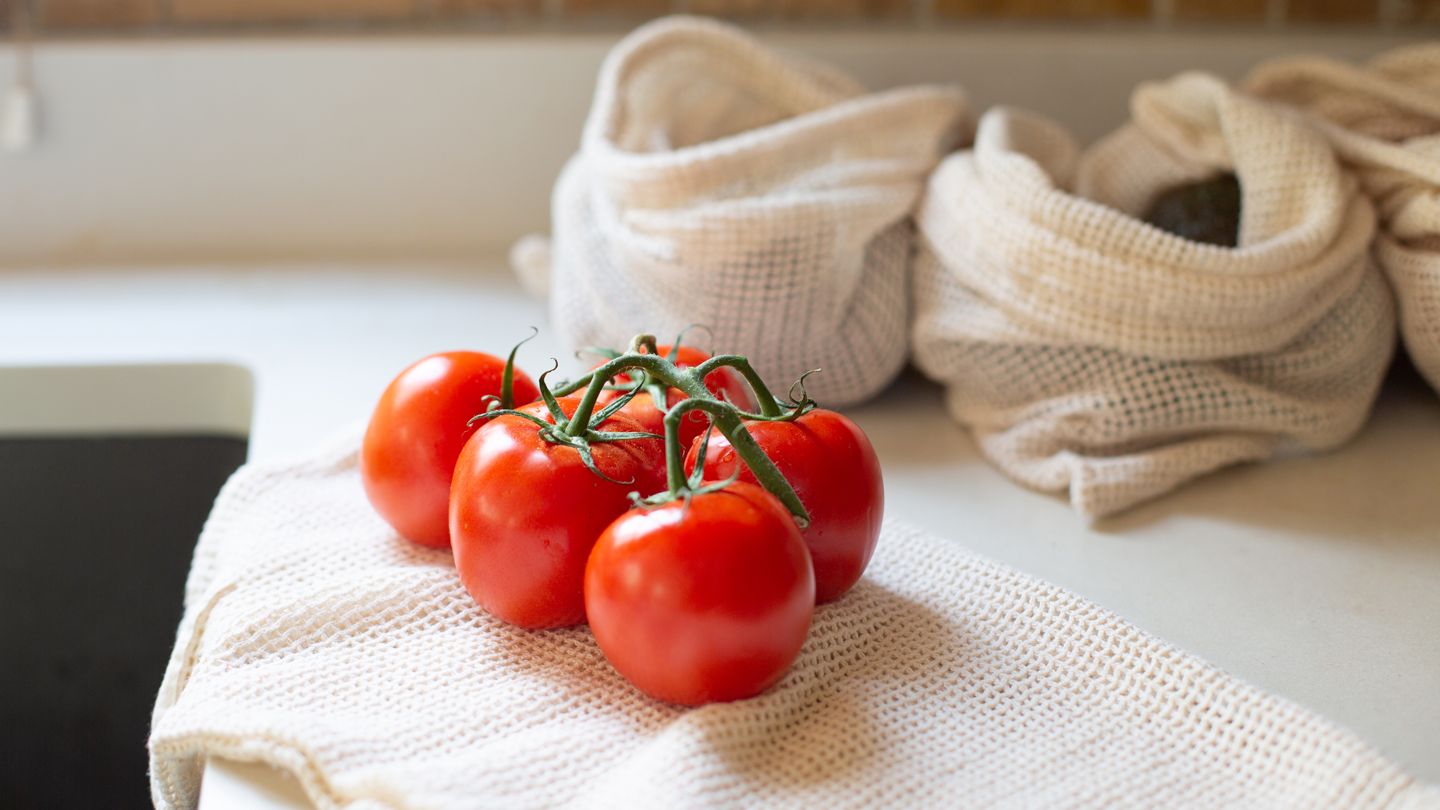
316,639
766,198
1384,121
1089,351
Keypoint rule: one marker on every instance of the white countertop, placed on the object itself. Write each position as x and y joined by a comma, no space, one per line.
1315,578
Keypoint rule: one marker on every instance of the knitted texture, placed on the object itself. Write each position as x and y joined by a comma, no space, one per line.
1384,121
1088,350
719,183
316,639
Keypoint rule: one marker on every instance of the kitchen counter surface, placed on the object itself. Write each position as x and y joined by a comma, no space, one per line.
1316,578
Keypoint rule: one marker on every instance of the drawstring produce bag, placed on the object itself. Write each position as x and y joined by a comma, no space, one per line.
766,198
1383,120
1088,350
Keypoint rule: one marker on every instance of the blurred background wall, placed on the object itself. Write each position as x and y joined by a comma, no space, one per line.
220,130
222,16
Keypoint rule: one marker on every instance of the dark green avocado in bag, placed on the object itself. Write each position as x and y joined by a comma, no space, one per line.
1202,211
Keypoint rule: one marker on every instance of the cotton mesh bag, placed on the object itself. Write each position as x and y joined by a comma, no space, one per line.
1091,352
1384,121
764,197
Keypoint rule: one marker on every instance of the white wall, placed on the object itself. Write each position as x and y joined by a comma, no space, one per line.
201,149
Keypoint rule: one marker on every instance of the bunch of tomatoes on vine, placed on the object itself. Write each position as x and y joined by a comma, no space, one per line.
666,497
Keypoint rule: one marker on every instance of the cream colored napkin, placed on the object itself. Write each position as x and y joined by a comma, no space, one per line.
317,640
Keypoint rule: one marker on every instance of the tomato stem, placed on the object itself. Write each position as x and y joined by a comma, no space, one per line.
645,342
726,418
769,406
658,368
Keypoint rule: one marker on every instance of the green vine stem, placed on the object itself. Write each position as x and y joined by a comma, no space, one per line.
644,341
725,417
769,406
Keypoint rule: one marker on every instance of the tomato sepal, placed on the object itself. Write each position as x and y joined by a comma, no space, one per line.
558,432
694,483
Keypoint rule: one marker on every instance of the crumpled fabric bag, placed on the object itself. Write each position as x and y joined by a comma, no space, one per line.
1091,352
1383,119
316,639
767,198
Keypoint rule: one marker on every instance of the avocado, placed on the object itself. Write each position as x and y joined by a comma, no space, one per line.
1202,211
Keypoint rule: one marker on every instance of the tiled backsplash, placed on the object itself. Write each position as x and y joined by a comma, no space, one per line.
209,16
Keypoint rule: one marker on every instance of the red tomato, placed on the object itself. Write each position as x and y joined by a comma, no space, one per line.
830,464
524,513
724,383
705,601
416,433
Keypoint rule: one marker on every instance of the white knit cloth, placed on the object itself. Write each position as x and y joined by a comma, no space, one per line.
1089,351
316,639
720,183
1384,121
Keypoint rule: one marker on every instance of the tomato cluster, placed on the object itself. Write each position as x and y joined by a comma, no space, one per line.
755,510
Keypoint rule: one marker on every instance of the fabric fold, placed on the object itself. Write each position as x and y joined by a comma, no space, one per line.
763,196
317,640
1383,120
1089,351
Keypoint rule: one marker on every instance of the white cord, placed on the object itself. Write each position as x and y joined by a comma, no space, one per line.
18,118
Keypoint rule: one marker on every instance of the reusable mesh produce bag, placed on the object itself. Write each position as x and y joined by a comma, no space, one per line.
1088,350
722,184
318,640
1384,121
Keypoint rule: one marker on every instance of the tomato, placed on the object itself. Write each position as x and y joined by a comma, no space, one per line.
833,469
416,432
524,513
724,383
703,601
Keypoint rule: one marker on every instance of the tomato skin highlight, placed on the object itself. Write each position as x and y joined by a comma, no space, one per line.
416,432
724,383
704,602
525,513
831,465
